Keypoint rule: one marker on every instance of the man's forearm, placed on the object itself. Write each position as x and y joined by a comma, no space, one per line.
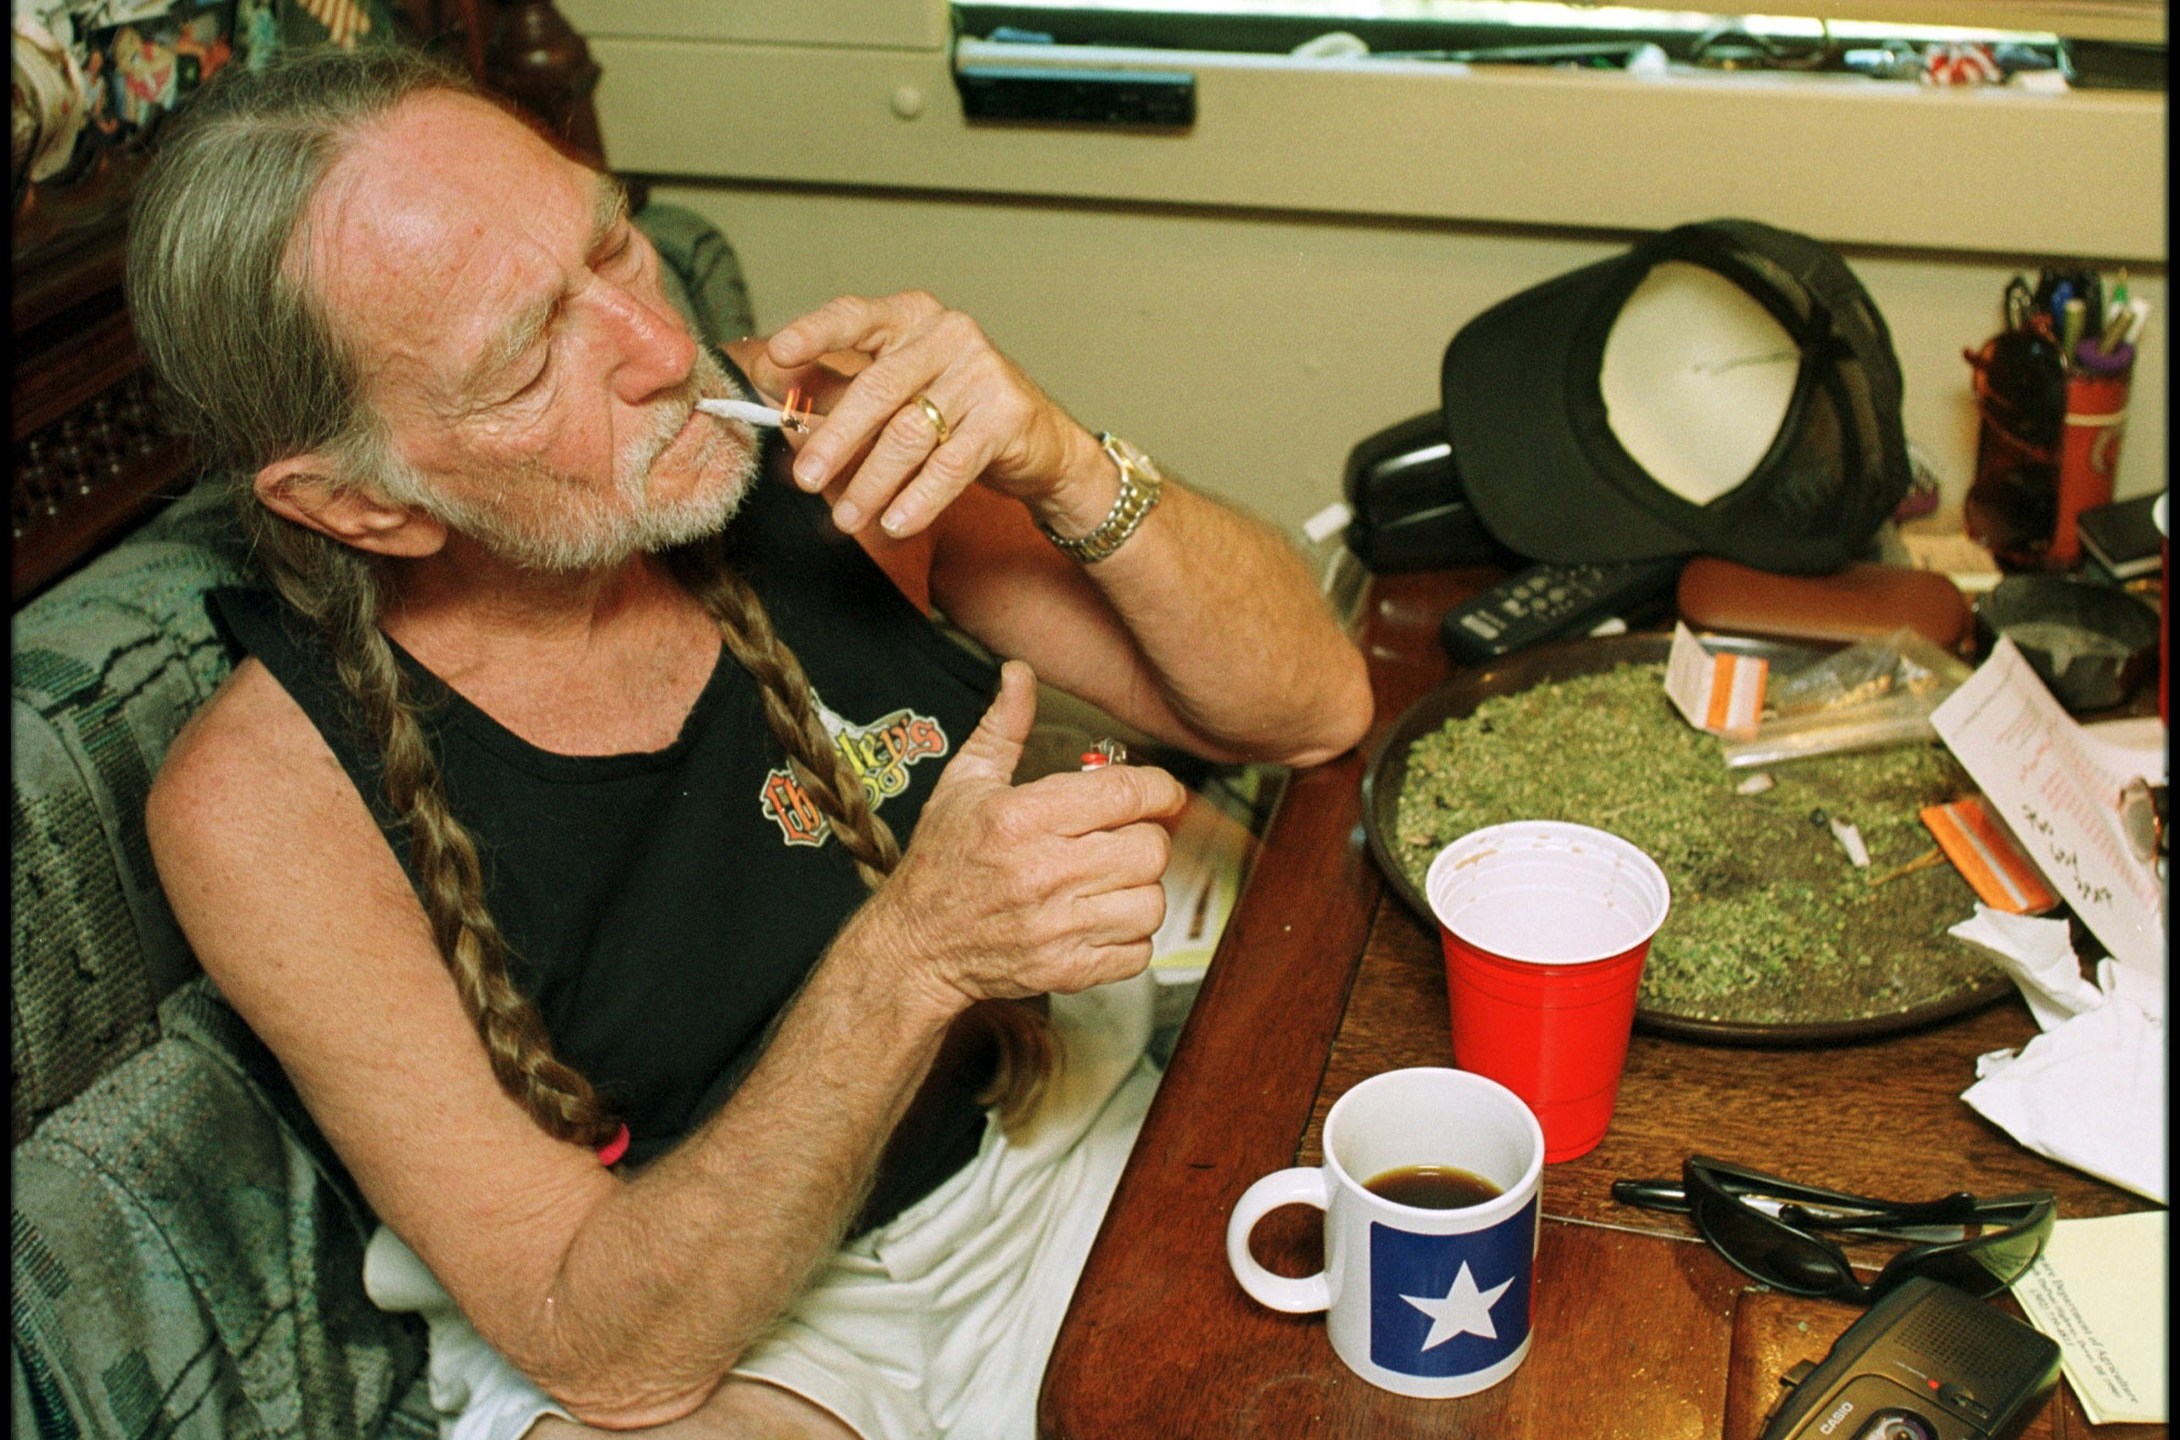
698,1255
1245,649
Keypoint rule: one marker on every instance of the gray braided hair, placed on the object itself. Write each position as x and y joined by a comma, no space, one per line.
215,298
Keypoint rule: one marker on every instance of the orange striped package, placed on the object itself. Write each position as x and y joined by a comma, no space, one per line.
1986,855
1722,693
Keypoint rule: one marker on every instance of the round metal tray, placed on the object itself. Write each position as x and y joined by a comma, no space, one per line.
1459,696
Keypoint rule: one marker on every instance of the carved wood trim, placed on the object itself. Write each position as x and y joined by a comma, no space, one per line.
83,477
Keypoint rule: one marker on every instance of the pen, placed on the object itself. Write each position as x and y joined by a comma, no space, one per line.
2116,311
2074,317
2113,352
2138,315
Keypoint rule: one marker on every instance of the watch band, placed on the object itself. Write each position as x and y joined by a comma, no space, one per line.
1140,487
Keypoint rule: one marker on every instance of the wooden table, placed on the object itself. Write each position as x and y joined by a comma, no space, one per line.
1323,978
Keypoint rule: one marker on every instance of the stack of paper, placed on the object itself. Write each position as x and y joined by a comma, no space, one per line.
2057,787
2099,1290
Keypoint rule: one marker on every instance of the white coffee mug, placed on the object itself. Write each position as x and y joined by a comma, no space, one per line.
1419,1301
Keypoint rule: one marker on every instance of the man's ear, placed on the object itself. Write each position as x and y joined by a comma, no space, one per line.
302,488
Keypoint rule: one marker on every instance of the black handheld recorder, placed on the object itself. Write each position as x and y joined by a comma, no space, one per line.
1927,1362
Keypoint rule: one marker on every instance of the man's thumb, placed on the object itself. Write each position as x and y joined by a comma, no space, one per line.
994,748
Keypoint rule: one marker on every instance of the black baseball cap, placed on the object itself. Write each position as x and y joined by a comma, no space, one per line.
1725,388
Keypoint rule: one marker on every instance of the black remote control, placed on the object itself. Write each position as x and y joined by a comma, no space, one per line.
1546,602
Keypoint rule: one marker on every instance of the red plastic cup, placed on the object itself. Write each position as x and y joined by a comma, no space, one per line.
1546,926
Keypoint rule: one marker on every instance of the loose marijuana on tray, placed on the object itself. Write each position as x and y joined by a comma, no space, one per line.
1770,923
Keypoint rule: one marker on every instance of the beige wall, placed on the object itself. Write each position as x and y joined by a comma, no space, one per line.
1250,299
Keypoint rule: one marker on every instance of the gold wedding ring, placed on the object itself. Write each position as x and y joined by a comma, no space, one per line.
938,421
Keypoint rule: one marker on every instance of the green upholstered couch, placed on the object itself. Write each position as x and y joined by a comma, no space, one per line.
188,1254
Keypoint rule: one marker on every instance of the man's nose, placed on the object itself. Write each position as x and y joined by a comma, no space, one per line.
656,350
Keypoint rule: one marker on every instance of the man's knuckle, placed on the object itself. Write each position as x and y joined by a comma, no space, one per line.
1049,932
1154,847
1009,821
944,475
908,428
962,331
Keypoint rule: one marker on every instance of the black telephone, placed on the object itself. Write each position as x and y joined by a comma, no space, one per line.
1409,510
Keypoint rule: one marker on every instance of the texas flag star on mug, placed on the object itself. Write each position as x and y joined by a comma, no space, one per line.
1450,1304
1463,1310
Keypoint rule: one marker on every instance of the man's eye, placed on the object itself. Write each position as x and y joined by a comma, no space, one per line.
526,387
624,256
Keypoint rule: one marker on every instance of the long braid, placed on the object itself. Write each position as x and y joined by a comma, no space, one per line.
1020,1030
791,713
335,588
214,297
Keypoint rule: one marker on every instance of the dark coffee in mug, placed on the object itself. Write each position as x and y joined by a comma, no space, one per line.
1432,1187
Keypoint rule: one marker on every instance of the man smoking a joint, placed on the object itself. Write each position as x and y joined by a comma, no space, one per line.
627,873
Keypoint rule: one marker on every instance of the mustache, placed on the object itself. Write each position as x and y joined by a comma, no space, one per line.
707,376
669,421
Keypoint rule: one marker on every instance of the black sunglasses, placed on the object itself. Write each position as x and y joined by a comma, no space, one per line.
1764,1227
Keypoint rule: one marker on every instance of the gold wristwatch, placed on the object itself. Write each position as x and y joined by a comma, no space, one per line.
1140,485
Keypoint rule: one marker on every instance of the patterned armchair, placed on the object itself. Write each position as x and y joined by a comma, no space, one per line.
188,1253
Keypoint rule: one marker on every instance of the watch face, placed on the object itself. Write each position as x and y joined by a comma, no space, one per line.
1127,455
1697,378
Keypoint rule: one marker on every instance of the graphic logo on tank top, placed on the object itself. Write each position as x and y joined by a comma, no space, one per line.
879,754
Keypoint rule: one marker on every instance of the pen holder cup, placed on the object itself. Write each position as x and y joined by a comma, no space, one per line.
2096,418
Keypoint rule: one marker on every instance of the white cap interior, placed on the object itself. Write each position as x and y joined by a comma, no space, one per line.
1696,378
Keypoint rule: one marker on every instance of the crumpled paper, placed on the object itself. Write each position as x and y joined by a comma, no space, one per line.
2090,1091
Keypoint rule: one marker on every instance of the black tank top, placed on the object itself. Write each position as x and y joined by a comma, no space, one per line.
662,908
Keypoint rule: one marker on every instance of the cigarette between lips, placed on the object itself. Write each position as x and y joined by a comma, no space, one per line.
747,411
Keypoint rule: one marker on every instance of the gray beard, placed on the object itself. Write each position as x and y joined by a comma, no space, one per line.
541,521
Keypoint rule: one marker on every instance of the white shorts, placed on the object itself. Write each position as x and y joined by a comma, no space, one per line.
938,1323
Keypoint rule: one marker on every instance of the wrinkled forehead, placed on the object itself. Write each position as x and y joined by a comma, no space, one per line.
439,216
